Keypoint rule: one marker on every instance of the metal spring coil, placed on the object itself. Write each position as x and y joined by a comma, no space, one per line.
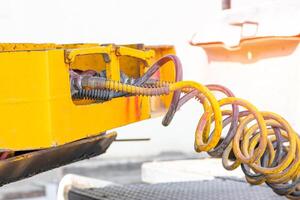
116,86
93,94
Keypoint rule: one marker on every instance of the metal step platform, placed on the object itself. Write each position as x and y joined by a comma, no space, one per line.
217,189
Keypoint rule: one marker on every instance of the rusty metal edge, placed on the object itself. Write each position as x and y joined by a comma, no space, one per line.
30,164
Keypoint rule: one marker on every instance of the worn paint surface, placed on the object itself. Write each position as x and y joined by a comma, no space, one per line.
35,99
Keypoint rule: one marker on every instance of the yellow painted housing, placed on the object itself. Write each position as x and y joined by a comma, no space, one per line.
36,107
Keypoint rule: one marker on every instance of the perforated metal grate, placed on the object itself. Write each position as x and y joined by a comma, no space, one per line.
211,190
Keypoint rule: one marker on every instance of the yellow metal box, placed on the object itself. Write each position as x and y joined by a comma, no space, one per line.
36,107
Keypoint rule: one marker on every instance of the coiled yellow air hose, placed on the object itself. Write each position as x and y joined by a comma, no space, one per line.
264,144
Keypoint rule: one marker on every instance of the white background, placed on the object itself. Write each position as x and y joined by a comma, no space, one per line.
154,22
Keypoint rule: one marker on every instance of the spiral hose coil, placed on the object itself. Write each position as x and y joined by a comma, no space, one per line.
267,150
